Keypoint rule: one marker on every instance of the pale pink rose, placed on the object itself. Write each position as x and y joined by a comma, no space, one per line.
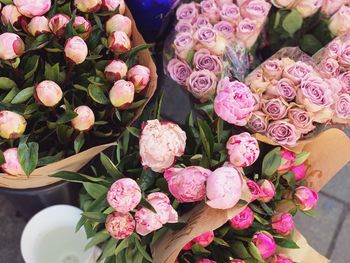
162,205
272,69
11,46
122,94
124,195
202,84
224,188
210,39
12,125
254,189
230,13
204,60
342,109
258,101
258,122
48,93
275,109
119,23
288,158
305,198
299,171
339,23
204,239
345,81
140,76
10,15
116,70
187,184
284,88
119,42
187,12
256,10
247,32
12,165
243,220
112,5
38,25
184,43
225,29
179,71
283,132
301,119
344,58
334,49
31,8
76,50
288,4
281,259
83,26
267,190
210,10
85,119
265,244
297,71
308,7
329,7
242,149
336,86
329,68
256,81
88,6
234,103
282,223
58,24
120,225
184,26
160,144
147,221
201,21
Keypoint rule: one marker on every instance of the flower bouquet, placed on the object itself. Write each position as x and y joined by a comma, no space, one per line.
74,76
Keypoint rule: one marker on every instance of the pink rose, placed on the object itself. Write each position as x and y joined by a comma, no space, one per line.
283,132
305,198
187,12
10,15
301,119
275,109
88,6
243,149
204,60
282,223
11,46
255,10
344,58
179,71
160,144
230,13
58,24
342,109
120,225
329,7
184,27
234,103
187,184
254,189
272,69
202,21
247,32
225,29
267,190
258,122
265,244
308,7
85,119
204,239
112,5
202,84
84,27
281,259
284,88
224,188
339,23
116,70
140,76
30,8
12,125
210,10
299,171
119,42
184,43
124,195
38,25
119,23
297,71
162,205
122,94
210,39
288,160
76,50
257,82
334,49
243,220
48,93
12,165
345,81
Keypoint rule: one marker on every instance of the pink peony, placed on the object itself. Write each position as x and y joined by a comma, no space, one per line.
38,25
179,71
84,27
116,70
281,259
12,125
112,5
11,46
243,220
147,221
12,165
119,42
31,8
265,244
299,171
48,93
140,76
267,190
162,205
188,246
305,198
119,23
254,189
122,94
10,15
85,119
205,260
282,223
204,239
201,84
58,24
120,225
76,50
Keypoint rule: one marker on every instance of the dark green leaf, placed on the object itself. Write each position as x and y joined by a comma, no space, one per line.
206,137
6,2
95,216
137,104
147,179
134,131
199,250
77,177
312,213
98,22
189,57
50,159
142,250
98,238
80,223
122,245
286,243
239,250
292,22
261,220
109,248
28,156
267,209
7,84
254,251
2,158
290,178
23,95
310,44
31,66
111,169
79,142
66,117
31,108
52,72
221,242
97,94
272,161
95,190
144,203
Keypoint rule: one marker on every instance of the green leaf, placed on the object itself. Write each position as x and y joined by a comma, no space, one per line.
286,243
31,66
310,44
272,161
80,223
253,250
144,203
95,190
290,178
6,2
137,104
219,128
221,242
7,84
2,158
142,250
77,177
66,117
31,108
98,22
97,94
147,179
261,220
134,131
23,95
206,137
122,245
301,158
98,238
52,72
292,22
28,156
239,250
199,250
95,216
50,159
189,57
79,142
111,169
267,209
39,42
109,248
312,213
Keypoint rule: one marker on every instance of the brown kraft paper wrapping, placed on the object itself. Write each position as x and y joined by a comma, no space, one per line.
40,176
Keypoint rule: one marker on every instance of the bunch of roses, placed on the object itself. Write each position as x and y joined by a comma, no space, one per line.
202,33
60,67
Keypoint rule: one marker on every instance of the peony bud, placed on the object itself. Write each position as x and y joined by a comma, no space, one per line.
139,75
120,225
85,119
267,191
58,24
282,223
88,6
280,259
122,94
12,125
119,23
305,198
12,165
254,189
119,42
265,244
38,25
48,93
30,8
204,239
10,15
188,246
11,46
288,159
299,171
113,5
116,70
76,50
82,26
243,220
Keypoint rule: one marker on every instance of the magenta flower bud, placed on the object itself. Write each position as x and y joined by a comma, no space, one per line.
122,94
204,239
112,5
139,75
83,27
299,171
120,225
76,50
119,42
188,246
283,223
58,24
30,8
85,119
280,259
288,158
267,191
116,70
305,198
265,243
11,46
38,25
88,6
48,93
12,165
12,125
10,15
119,23
243,220
254,189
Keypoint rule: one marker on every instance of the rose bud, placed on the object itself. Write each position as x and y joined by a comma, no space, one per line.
76,50
48,93
11,46
30,8
170,141
275,109
224,188
12,125
85,119
299,171
58,24
83,27
340,21
282,223
120,225
281,259
119,42
124,195
272,69
112,5
88,6
12,165
188,246
162,205
204,239
121,94
308,7
187,185
10,15
267,191
187,12
247,32
116,70
184,43
140,76
179,71
38,25
265,244
305,198
258,122
201,84
242,149
243,220
119,23
254,189
342,109
283,132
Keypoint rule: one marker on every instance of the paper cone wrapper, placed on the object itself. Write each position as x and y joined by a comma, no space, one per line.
41,176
